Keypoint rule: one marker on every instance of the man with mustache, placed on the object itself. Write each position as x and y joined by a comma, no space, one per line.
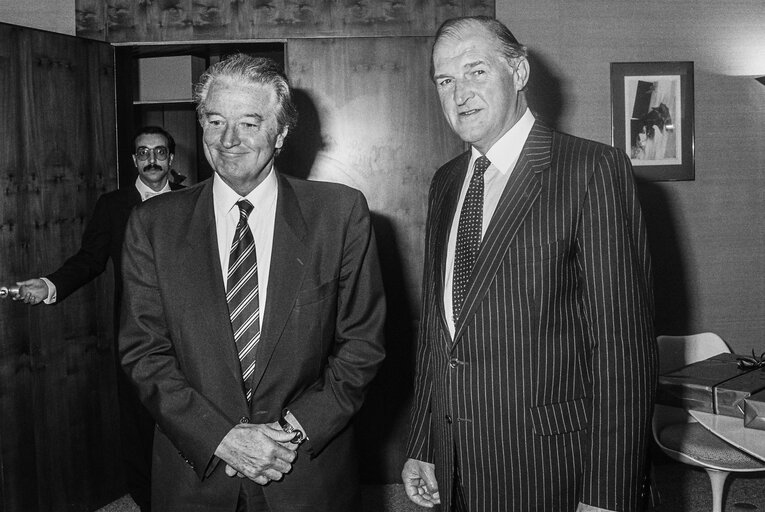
154,149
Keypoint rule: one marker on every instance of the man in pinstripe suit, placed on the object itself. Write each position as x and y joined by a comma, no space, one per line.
535,378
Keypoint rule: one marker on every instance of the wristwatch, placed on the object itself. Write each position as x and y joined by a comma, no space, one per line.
287,427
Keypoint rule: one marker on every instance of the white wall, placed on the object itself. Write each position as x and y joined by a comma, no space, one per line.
52,15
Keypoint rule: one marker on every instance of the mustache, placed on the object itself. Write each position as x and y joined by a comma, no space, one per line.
152,167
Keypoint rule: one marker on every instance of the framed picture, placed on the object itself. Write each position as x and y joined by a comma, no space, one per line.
652,118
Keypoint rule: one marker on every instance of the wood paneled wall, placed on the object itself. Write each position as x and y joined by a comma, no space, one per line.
184,20
58,414
708,235
370,118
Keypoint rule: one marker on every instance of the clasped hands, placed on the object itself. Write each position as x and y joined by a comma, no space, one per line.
260,452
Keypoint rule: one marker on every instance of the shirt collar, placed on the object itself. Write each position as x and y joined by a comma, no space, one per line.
225,198
505,152
147,192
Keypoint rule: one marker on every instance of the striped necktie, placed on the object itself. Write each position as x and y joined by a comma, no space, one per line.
468,236
242,295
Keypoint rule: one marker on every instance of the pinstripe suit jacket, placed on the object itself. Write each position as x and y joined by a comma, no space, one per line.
545,392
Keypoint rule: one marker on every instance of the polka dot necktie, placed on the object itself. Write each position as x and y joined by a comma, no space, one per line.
468,235
242,295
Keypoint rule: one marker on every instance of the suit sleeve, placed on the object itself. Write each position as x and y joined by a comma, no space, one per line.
193,423
326,407
418,445
617,301
90,261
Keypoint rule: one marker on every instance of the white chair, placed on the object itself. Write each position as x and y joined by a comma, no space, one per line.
679,435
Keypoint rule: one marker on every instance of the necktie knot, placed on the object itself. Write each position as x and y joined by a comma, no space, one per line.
245,208
481,164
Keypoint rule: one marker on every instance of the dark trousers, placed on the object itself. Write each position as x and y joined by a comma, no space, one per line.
136,438
459,504
251,498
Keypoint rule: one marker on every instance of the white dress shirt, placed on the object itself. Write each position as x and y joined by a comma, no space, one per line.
261,221
503,156
147,192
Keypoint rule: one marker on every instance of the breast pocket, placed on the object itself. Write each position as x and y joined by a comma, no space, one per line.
317,294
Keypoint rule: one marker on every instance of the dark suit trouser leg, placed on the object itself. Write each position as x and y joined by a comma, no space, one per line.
459,504
136,437
251,498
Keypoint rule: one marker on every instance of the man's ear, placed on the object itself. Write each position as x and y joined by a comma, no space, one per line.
521,74
280,138
135,161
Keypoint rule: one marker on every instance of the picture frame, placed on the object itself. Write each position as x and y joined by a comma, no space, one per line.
652,118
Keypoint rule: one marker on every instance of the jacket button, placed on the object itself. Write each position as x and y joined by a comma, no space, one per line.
244,419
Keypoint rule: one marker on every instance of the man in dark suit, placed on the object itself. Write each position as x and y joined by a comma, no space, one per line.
253,316
536,359
102,241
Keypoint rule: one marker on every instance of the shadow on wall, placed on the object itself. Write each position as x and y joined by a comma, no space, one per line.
544,92
382,424
669,275
305,141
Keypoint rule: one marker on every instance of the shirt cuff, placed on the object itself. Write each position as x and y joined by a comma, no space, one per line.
51,298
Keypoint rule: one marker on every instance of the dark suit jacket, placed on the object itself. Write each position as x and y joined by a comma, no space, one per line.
101,240
321,343
546,389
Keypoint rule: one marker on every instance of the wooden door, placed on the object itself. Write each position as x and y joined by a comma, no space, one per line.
58,409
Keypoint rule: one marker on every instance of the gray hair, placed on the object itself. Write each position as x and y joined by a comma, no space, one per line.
507,44
250,70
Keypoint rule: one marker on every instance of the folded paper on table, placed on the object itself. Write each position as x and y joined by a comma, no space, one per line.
693,386
754,411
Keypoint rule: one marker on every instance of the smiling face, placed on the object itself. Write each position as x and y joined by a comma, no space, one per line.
478,88
241,134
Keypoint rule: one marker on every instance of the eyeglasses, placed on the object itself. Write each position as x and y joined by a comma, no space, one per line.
160,153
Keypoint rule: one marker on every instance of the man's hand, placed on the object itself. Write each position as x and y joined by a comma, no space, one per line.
420,483
259,452
32,291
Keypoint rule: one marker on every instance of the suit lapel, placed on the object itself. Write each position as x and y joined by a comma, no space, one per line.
200,255
443,213
520,193
286,276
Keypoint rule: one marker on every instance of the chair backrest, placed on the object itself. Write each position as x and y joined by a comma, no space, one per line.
677,351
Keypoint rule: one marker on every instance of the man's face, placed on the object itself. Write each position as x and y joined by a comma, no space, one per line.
152,169
241,134
478,87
